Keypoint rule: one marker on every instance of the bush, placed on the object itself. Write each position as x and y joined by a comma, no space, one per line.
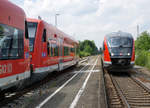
143,59
142,50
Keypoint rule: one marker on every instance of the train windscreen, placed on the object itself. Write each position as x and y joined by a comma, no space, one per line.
120,45
32,27
120,41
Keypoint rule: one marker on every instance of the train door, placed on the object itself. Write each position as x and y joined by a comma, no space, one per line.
44,49
60,54
75,51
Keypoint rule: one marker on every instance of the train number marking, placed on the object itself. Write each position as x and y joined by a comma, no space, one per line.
6,68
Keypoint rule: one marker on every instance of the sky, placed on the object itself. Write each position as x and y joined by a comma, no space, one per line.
91,19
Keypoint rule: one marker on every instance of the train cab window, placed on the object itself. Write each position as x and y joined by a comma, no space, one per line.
32,28
120,41
44,36
11,42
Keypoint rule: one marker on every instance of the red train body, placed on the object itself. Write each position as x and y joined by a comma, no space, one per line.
51,49
118,51
14,48
31,49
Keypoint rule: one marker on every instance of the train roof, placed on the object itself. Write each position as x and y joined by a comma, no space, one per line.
62,34
119,33
11,14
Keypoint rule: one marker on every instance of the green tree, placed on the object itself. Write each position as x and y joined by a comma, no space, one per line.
143,42
142,49
87,48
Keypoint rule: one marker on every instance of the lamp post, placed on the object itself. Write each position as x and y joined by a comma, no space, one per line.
138,33
56,19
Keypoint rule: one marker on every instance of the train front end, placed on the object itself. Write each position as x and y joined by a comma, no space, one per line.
14,46
119,51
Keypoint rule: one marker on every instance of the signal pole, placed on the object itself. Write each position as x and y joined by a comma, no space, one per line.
138,31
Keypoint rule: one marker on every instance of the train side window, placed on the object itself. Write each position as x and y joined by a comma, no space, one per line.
66,51
52,50
48,48
21,44
26,31
61,47
55,50
44,36
73,50
11,42
69,50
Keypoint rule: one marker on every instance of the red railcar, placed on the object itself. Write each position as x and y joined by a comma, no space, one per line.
118,51
50,49
29,50
14,46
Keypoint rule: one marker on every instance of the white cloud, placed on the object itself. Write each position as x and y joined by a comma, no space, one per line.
91,19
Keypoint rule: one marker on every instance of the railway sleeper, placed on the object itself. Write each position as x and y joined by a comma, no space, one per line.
116,106
115,100
140,105
148,98
115,103
139,101
139,97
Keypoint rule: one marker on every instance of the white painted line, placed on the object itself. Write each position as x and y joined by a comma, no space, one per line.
53,94
76,99
83,60
87,71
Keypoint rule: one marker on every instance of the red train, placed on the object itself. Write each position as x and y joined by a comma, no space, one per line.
118,51
50,49
30,49
14,48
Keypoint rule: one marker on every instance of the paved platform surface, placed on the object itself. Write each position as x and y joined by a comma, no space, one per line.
81,88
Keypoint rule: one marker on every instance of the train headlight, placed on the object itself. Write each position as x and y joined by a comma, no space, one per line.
112,54
128,54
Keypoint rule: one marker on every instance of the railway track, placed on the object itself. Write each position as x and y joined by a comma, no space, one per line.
11,99
113,98
124,91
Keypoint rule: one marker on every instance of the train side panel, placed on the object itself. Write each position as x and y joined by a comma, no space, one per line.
106,55
50,50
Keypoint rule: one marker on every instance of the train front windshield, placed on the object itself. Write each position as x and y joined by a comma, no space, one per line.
120,45
32,27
